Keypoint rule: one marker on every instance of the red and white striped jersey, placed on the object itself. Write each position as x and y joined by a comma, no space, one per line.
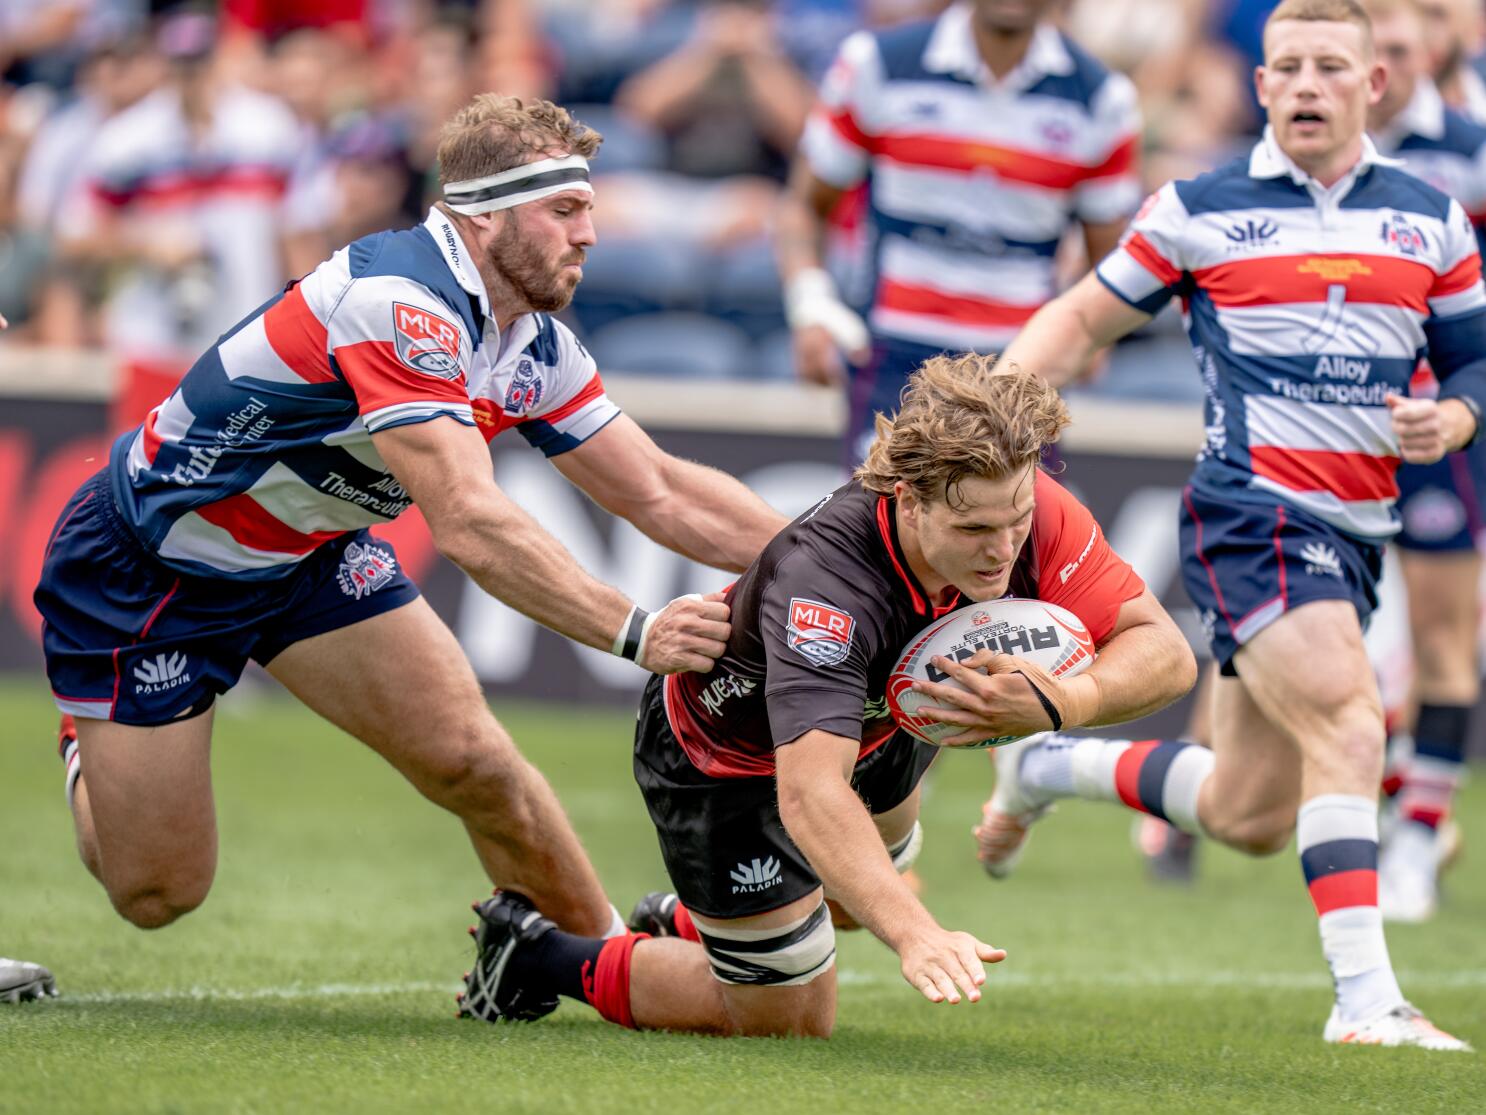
972,182
264,452
219,193
1306,308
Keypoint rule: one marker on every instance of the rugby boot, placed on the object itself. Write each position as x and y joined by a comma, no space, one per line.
1006,818
654,914
22,982
507,922
1403,1025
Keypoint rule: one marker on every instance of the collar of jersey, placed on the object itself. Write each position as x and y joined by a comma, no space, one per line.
457,256
887,526
951,50
1268,161
1424,116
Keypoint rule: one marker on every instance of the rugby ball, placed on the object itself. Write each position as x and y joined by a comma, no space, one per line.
1052,637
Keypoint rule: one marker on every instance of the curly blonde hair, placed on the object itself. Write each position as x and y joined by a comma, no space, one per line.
494,133
957,419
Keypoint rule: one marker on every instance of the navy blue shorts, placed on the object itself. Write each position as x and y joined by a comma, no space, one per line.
1245,564
129,639
1440,505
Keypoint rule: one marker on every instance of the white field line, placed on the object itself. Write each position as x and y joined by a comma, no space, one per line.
1066,981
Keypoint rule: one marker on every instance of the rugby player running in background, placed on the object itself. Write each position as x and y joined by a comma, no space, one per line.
983,136
1440,505
232,526
1440,514
780,780
1315,274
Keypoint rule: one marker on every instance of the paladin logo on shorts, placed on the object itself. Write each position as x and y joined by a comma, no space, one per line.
365,569
819,632
425,342
161,673
749,878
1321,560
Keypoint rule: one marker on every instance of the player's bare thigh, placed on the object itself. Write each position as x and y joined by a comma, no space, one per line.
146,800
1443,592
806,1010
1308,674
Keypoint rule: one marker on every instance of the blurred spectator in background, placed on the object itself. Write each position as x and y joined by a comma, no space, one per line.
983,137
1453,35
182,206
53,297
45,41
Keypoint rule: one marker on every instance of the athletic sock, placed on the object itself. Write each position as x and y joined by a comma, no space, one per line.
71,760
556,962
1159,777
1337,835
1433,772
593,970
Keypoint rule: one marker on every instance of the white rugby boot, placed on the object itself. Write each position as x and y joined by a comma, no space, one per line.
1408,874
21,982
1403,1025
1010,812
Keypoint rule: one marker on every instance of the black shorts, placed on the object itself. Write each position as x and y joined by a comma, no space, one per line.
725,847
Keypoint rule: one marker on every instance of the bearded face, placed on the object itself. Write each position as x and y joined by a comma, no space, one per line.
542,270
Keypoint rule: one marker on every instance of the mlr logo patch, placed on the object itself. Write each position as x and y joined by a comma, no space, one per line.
425,342
819,632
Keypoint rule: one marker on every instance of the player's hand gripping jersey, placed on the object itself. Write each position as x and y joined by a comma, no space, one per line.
264,452
819,619
1306,308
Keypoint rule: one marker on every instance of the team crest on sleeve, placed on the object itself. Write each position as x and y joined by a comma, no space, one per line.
425,342
525,391
364,569
819,632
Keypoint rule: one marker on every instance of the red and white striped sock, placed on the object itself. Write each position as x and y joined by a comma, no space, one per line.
1337,835
1159,777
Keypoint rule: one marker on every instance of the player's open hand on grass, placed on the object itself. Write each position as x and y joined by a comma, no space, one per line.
689,633
1004,695
1428,429
946,965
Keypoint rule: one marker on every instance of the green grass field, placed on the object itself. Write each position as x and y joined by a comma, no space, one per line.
320,974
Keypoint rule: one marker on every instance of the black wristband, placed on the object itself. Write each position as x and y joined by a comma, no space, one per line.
1047,706
629,641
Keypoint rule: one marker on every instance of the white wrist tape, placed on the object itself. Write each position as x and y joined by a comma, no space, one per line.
811,298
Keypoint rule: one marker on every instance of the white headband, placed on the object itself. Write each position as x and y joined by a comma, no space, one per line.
518,185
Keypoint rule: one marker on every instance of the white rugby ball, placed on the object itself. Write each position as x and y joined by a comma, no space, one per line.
1052,637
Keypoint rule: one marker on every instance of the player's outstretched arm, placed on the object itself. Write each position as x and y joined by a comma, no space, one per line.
445,467
1066,334
695,510
1143,664
827,821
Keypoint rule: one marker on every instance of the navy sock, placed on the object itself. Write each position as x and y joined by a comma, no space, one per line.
556,962
1440,732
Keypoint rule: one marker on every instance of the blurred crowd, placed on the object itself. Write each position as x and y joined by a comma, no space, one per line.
288,129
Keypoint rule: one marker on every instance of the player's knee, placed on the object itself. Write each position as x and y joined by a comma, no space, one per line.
477,768
792,957
1263,835
157,905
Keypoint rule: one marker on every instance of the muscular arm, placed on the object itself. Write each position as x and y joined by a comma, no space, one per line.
695,510
827,821
1065,334
445,467
1143,665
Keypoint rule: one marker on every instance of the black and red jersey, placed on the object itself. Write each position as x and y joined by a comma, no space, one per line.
818,621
